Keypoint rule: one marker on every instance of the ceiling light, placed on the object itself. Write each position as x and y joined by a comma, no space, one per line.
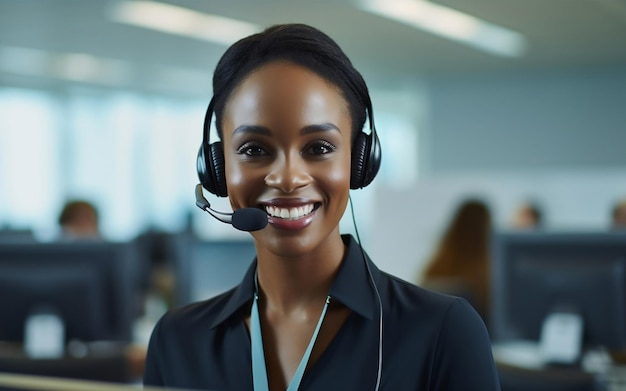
451,24
24,61
67,66
88,68
181,21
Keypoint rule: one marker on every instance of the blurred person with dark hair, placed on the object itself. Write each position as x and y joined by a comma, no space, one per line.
528,216
79,220
460,264
618,217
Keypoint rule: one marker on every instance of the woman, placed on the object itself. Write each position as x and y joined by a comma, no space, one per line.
313,312
460,264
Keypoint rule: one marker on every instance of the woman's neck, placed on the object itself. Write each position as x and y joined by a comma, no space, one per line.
289,283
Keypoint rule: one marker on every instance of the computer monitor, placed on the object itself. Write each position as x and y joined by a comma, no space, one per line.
536,274
10,235
205,268
91,286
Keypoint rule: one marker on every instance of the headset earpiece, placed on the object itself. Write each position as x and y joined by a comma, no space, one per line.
210,161
366,156
359,157
210,166
218,169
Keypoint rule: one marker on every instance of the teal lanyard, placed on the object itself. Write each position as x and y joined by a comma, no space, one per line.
259,370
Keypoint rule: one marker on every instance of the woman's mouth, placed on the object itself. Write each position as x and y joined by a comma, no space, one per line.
290,213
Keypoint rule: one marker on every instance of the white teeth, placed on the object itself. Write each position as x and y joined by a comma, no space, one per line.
289,213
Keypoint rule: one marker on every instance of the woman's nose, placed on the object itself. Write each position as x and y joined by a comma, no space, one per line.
288,173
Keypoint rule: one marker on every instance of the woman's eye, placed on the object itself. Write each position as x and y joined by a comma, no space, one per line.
320,148
250,149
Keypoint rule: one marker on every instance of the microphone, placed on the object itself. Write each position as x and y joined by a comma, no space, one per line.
244,219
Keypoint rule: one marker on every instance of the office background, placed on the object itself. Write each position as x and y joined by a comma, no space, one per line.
92,106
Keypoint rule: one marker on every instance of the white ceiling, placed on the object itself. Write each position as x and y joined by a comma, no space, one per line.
560,33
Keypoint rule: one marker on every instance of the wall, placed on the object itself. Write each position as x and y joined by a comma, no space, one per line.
554,136
549,119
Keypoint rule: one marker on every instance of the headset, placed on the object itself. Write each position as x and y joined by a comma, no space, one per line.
366,156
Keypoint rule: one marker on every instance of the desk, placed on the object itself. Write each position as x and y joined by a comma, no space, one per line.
514,378
521,369
116,363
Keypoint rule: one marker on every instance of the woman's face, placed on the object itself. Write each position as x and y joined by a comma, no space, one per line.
287,145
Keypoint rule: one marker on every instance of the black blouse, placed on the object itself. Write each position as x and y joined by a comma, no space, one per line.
430,341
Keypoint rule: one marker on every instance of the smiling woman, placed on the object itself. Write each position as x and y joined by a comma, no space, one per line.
300,160
313,312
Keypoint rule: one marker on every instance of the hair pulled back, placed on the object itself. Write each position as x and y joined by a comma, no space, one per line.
298,43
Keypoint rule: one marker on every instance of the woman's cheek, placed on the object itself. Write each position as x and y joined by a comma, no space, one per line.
234,180
243,185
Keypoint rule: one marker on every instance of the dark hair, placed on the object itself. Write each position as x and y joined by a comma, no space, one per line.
301,44
74,208
470,228
619,207
535,210
463,255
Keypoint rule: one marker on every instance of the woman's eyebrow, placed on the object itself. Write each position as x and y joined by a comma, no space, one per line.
255,129
325,127
264,131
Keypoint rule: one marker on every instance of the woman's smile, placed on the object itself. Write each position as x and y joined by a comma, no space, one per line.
291,214
291,223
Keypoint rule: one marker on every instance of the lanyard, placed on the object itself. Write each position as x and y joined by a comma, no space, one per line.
259,370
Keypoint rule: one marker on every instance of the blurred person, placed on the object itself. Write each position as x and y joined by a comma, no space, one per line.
618,217
79,220
528,216
313,311
460,263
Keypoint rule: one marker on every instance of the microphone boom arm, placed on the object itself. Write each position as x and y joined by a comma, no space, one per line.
243,219
203,204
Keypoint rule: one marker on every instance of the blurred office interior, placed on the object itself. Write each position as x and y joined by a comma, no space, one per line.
504,101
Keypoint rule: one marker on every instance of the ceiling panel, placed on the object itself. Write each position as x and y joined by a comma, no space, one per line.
560,33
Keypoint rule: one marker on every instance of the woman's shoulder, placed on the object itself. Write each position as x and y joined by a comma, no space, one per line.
411,298
445,319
